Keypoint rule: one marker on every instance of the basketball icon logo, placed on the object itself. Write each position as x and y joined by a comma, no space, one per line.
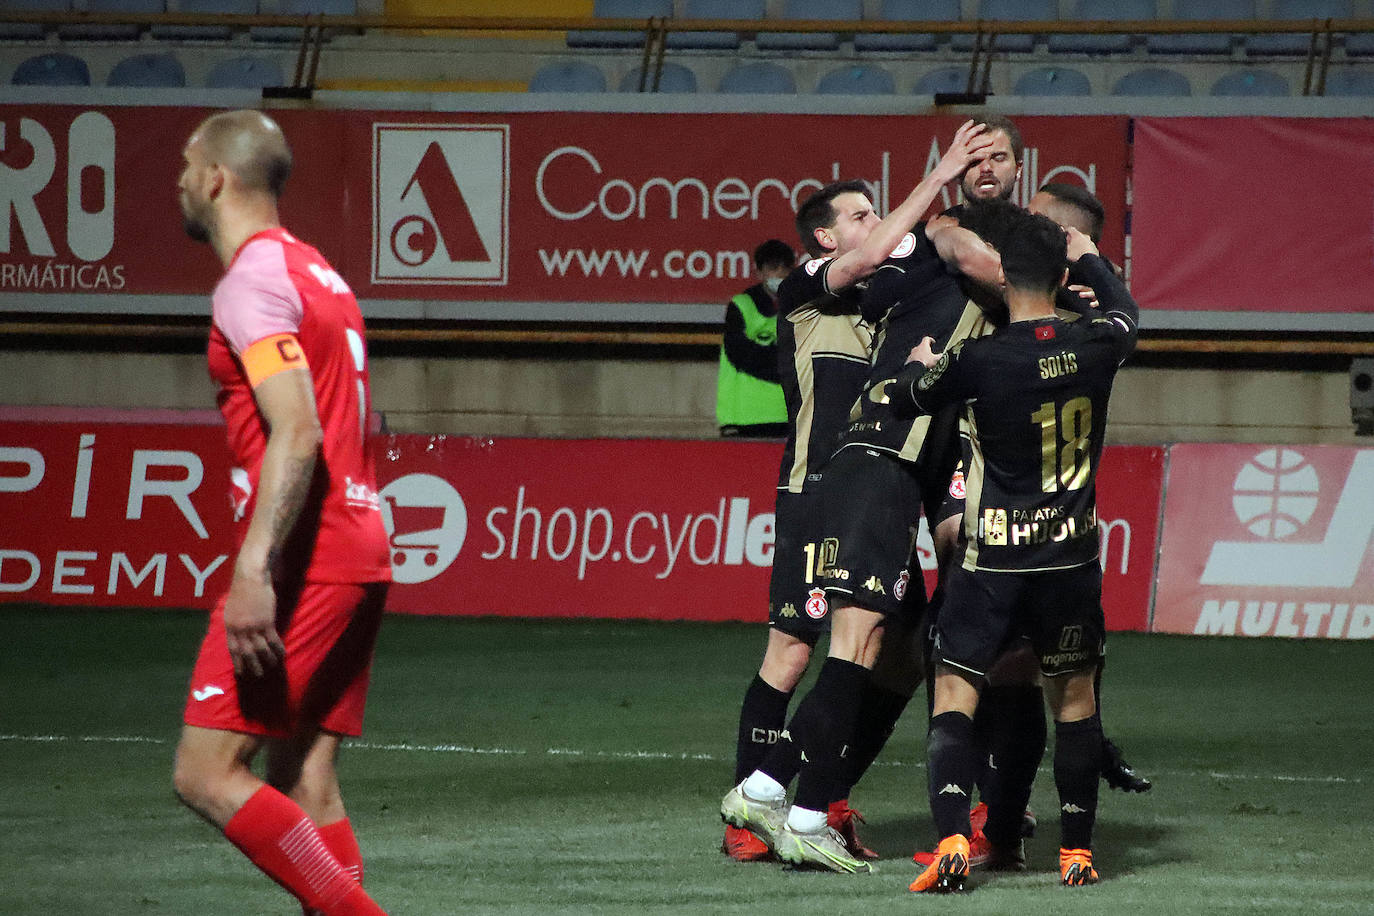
1275,493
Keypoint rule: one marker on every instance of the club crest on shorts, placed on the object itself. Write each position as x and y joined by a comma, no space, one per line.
957,486
899,588
816,605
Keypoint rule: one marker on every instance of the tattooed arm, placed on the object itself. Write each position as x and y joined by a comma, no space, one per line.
287,403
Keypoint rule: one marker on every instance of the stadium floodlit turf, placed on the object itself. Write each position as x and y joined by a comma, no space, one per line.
577,766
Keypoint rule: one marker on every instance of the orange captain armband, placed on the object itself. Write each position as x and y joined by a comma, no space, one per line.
266,357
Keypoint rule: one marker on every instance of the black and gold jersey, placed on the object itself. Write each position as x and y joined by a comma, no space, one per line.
911,296
1035,398
823,360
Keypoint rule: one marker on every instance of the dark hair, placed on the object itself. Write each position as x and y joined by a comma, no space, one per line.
1080,197
774,253
991,220
1035,253
818,211
995,123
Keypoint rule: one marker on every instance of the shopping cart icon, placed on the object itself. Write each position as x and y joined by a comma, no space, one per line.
413,528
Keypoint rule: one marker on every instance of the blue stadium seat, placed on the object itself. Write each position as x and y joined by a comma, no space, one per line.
1104,11
1297,9
55,69
715,9
568,76
1359,44
111,32
909,11
1052,81
759,77
945,79
1251,82
245,73
148,70
674,78
619,9
1201,10
1002,12
857,80
1153,81
204,32
1350,81
810,41
301,8
27,31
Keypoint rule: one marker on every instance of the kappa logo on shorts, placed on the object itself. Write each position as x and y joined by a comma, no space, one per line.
426,524
440,204
816,605
874,584
789,610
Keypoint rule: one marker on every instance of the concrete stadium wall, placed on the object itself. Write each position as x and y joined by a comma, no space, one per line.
673,397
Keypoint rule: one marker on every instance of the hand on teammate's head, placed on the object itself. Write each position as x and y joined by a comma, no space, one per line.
1079,244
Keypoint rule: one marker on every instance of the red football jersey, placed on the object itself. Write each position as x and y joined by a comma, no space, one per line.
281,305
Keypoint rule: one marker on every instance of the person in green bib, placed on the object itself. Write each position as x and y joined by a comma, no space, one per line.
749,401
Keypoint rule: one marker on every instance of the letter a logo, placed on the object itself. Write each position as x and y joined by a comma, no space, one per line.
440,203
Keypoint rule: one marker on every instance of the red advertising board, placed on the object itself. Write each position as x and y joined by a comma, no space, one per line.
1268,541
138,514
1220,223
517,207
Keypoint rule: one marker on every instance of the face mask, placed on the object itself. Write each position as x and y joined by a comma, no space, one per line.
772,284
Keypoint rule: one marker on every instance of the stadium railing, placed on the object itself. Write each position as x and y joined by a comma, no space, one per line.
316,28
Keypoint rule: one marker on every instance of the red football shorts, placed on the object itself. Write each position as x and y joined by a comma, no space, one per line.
329,631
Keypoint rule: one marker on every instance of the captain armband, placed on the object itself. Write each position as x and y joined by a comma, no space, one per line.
266,357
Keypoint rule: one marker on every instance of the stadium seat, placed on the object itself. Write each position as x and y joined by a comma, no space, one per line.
568,76
1153,81
810,41
619,9
1360,44
945,79
245,73
1201,11
148,70
909,11
110,32
204,32
673,78
1001,12
1350,81
1104,11
857,80
27,31
54,69
715,9
759,77
1251,82
1297,43
301,8
1052,81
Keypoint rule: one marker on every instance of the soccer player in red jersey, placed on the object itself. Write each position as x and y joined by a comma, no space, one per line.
285,663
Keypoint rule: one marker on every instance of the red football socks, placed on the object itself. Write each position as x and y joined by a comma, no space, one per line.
279,838
339,839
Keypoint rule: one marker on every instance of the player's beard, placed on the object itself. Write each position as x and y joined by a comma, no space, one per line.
195,221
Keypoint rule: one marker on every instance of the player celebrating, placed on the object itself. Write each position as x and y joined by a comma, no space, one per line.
824,361
285,662
1035,393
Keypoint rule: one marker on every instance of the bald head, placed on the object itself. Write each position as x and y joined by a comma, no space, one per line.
249,145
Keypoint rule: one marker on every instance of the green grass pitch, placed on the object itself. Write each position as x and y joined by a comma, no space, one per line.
576,767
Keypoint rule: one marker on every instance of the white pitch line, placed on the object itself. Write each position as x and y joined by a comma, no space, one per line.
405,746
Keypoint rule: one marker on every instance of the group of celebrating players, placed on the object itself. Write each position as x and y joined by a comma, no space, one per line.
957,367
995,437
